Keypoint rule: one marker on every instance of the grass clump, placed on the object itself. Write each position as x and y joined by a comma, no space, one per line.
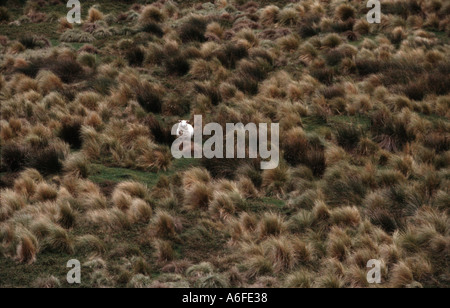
193,30
5,16
76,36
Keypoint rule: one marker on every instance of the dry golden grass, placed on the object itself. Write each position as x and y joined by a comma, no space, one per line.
140,211
194,176
271,224
64,25
269,14
121,200
164,251
94,15
151,13
45,192
165,225
198,196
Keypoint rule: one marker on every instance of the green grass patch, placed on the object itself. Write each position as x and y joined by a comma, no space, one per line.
363,121
47,29
442,37
361,40
75,46
266,204
433,118
313,123
276,202
102,173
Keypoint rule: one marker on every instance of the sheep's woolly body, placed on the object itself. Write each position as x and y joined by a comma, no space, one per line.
185,130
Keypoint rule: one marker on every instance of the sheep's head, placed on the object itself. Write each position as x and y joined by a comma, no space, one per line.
184,123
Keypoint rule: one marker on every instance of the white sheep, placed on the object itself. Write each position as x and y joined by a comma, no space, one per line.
185,129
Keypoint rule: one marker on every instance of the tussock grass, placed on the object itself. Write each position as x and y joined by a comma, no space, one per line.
94,15
76,36
67,216
275,180
5,15
52,237
258,266
27,247
345,216
198,196
270,14
300,279
140,211
153,28
300,149
345,12
151,14
149,97
288,17
194,176
48,82
134,189
11,202
165,225
25,186
77,165
271,225
89,243
344,184
402,276
135,56
222,206
50,282
164,251
281,254
139,281
160,133
13,157
45,192
212,282
112,219
199,270
193,30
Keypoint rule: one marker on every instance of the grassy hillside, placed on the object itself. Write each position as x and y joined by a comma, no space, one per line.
87,173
